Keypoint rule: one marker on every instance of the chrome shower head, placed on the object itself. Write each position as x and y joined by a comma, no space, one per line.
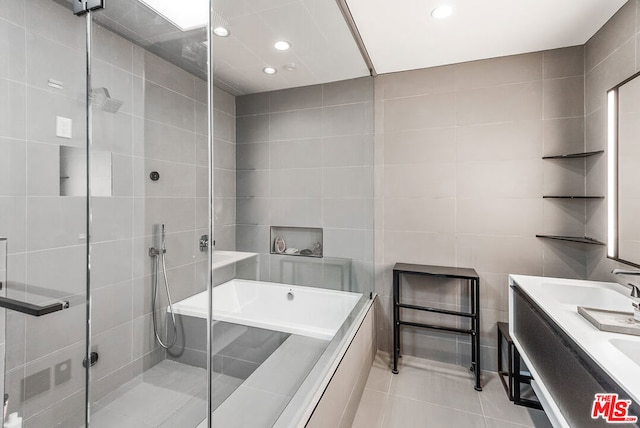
100,97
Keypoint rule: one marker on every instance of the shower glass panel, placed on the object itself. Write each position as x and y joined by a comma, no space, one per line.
293,186
136,198
149,124
42,234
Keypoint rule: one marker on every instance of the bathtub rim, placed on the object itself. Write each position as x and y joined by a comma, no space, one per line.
302,405
186,308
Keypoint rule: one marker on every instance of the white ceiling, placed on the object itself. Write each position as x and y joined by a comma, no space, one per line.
323,49
398,35
401,34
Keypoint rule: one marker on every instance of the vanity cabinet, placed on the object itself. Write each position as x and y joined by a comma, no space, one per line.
565,376
568,373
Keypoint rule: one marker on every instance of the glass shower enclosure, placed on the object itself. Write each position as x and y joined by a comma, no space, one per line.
104,198
130,136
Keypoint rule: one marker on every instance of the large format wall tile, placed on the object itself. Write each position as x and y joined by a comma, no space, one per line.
520,101
564,62
12,43
304,159
425,111
418,82
13,110
13,155
494,72
618,30
460,180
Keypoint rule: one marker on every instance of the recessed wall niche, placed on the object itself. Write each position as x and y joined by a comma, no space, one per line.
297,241
73,172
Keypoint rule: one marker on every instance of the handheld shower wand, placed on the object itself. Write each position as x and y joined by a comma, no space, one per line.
158,256
163,246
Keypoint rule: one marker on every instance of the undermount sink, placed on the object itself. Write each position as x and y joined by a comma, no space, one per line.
630,348
593,297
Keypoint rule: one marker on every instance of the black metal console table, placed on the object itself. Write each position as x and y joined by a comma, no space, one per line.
473,281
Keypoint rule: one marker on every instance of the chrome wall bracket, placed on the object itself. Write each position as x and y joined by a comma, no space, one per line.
80,7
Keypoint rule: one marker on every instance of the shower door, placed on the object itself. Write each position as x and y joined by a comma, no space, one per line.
43,252
149,209
103,145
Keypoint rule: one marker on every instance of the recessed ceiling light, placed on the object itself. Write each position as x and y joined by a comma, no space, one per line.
282,45
442,12
270,70
221,31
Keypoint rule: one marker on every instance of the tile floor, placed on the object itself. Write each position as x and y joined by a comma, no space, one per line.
434,394
169,395
424,393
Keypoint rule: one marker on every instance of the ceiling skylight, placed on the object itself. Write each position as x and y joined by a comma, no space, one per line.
186,15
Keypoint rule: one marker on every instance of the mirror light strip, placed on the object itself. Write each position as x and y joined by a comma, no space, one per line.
612,173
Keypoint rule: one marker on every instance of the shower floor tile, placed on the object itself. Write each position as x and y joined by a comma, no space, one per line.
169,395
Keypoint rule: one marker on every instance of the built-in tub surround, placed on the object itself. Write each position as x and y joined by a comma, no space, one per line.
286,338
609,358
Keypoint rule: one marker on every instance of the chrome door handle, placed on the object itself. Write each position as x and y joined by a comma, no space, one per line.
31,309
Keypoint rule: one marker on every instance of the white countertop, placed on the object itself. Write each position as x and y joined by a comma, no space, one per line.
553,296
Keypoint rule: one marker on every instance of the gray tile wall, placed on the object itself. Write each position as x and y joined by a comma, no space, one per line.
611,56
460,179
162,126
305,159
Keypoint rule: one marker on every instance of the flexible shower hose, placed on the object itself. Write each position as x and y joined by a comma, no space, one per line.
160,260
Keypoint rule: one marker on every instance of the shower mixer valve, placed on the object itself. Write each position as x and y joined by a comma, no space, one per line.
204,243
154,252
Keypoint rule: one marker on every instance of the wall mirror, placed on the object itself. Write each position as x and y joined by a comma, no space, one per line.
623,168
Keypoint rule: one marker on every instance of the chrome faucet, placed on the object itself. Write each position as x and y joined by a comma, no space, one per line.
635,291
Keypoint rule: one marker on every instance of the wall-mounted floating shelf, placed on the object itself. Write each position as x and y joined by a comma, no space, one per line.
574,155
578,239
296,241
572,197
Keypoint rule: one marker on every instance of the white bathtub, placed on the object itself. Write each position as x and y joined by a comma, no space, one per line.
307,311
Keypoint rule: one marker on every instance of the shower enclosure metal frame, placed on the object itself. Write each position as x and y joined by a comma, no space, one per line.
86,9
